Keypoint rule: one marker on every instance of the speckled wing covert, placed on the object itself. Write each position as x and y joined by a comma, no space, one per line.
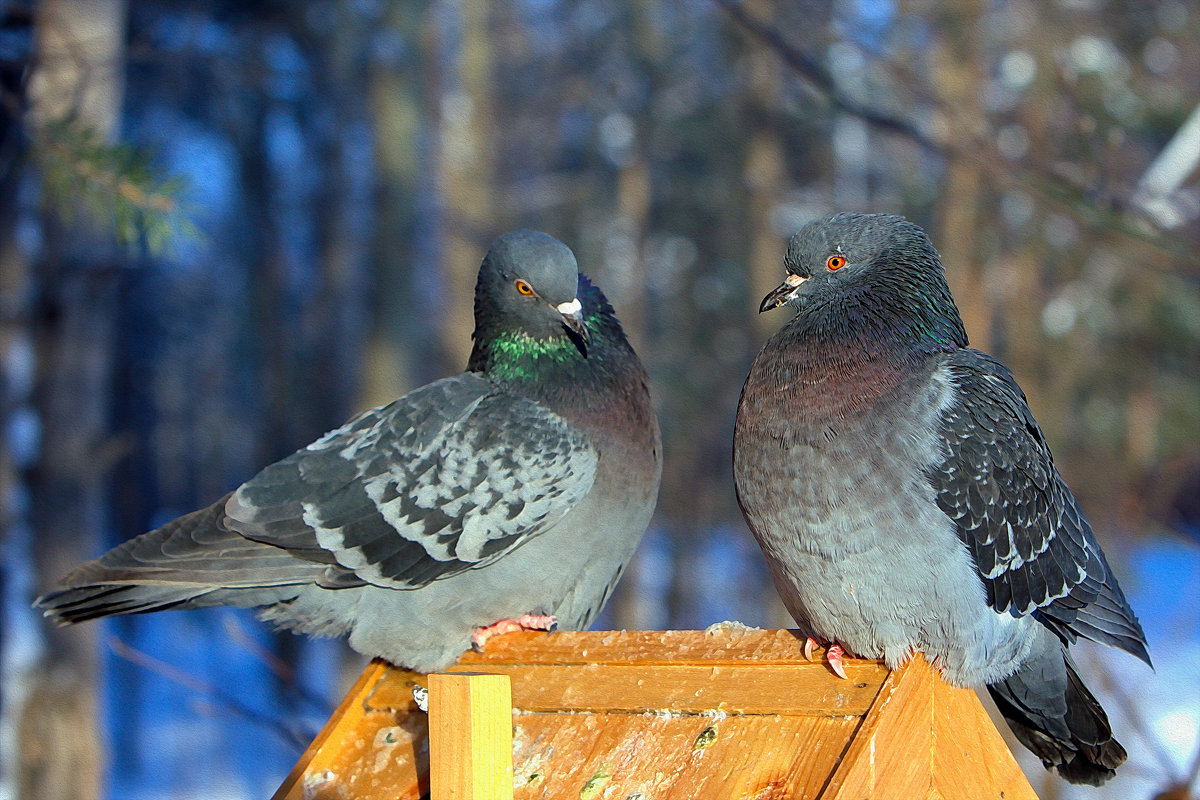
1030,541
447,478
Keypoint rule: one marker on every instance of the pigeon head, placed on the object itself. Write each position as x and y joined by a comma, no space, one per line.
527,291
872,274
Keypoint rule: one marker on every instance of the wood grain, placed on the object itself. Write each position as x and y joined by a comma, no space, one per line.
365,752
970,757
470,737
675,758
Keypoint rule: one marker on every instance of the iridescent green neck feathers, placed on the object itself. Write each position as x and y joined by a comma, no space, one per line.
508,353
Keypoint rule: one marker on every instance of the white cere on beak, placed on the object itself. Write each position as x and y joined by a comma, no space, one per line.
572,307
794,280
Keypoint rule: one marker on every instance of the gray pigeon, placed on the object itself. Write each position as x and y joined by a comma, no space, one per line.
906,499
510,496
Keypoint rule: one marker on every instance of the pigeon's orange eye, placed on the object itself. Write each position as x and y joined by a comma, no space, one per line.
836,262
525,289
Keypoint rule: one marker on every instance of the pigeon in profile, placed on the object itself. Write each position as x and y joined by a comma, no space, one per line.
507,497
906,499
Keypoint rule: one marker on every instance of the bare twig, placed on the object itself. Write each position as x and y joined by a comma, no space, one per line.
278,667
1132,713
810,68
289,732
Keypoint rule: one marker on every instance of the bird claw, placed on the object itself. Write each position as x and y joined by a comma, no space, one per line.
834,657
526,622
539,622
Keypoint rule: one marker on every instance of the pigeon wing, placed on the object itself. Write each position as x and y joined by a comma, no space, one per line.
1032,545
447,478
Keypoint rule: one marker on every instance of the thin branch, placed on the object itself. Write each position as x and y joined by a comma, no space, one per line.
147,200
1133,715
808,66
1078,200
279,668
1168,171
290,733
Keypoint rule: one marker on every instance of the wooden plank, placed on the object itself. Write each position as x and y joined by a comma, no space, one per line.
363,751
738,689
970,757
737,671
337,729
387,758
924,738
718,644
470,737
674,757
891,753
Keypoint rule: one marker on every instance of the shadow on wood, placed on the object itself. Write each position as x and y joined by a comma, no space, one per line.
679,715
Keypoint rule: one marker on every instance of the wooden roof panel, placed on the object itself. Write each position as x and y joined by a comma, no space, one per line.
679,715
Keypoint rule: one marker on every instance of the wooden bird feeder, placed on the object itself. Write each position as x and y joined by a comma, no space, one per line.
654,715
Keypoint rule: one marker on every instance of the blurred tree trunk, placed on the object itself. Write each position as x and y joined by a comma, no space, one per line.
765,171
398,111
766,181
958,76
464,170
18,421
326,377
626,284
268,290
336,322
633,205
630,225
80,51
635,193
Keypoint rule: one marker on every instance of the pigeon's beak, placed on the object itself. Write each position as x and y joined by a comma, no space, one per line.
782,293
572,317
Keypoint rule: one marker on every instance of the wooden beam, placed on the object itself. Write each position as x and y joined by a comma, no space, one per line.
470,737
359,732
890,754
924,738
970,757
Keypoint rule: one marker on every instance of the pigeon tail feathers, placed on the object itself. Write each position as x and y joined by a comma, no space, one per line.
192,562
1052,712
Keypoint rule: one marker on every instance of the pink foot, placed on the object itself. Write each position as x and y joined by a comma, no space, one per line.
527,622
833,656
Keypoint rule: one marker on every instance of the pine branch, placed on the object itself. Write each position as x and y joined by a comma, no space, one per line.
115,185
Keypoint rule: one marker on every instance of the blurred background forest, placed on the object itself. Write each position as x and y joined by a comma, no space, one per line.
227,225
